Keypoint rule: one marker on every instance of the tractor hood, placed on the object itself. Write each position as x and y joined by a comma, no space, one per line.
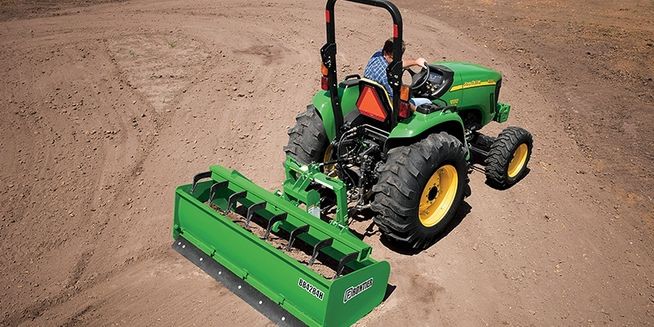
471,72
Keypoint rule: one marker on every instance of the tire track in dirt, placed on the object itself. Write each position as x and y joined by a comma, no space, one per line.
36,310
101,213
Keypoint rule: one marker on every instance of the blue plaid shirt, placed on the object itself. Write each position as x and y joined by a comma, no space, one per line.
376,71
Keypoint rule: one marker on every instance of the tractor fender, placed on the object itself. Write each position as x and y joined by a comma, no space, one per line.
421,125
323,103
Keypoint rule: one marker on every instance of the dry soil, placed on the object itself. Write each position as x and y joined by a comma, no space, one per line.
107,106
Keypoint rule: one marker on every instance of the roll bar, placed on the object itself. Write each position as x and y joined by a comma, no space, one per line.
394,70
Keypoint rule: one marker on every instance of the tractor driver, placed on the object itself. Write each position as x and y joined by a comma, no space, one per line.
376,69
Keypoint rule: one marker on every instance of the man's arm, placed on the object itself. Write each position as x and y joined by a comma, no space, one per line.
414,62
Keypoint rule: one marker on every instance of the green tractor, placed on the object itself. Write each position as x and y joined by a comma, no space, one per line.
354,153
410,168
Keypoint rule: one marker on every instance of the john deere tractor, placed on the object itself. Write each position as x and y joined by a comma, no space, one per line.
355,152
409,167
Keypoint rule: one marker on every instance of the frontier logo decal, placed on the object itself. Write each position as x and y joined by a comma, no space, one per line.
311,289
353,291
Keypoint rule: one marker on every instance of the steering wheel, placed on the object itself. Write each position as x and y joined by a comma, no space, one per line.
419,79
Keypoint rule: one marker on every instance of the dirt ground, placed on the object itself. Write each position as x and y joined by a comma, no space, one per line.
107,107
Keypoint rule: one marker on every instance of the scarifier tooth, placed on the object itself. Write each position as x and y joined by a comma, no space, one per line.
344,261
272,221
294,233
252,210
317,247
198,177
215,187
234,198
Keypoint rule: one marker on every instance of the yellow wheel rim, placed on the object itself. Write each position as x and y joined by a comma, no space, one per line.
329,170
438,195
518,161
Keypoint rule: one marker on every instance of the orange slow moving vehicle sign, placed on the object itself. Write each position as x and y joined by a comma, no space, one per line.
370,105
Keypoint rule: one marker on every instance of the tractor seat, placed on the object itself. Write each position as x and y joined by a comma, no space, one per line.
356,80
373,98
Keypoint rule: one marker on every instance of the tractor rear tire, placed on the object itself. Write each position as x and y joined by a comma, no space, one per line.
420,188
307,140
508,157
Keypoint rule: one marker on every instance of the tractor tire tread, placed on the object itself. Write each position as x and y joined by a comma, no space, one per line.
501,153
397,193
307,140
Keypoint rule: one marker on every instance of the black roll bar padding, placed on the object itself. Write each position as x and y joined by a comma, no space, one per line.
328,54
214,188
394,70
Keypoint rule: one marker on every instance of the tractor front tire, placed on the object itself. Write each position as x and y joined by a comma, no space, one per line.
508,156
420,188
307,140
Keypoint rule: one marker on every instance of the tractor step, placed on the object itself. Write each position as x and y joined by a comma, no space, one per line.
316,271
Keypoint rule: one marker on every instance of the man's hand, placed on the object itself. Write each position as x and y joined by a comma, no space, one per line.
422,62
